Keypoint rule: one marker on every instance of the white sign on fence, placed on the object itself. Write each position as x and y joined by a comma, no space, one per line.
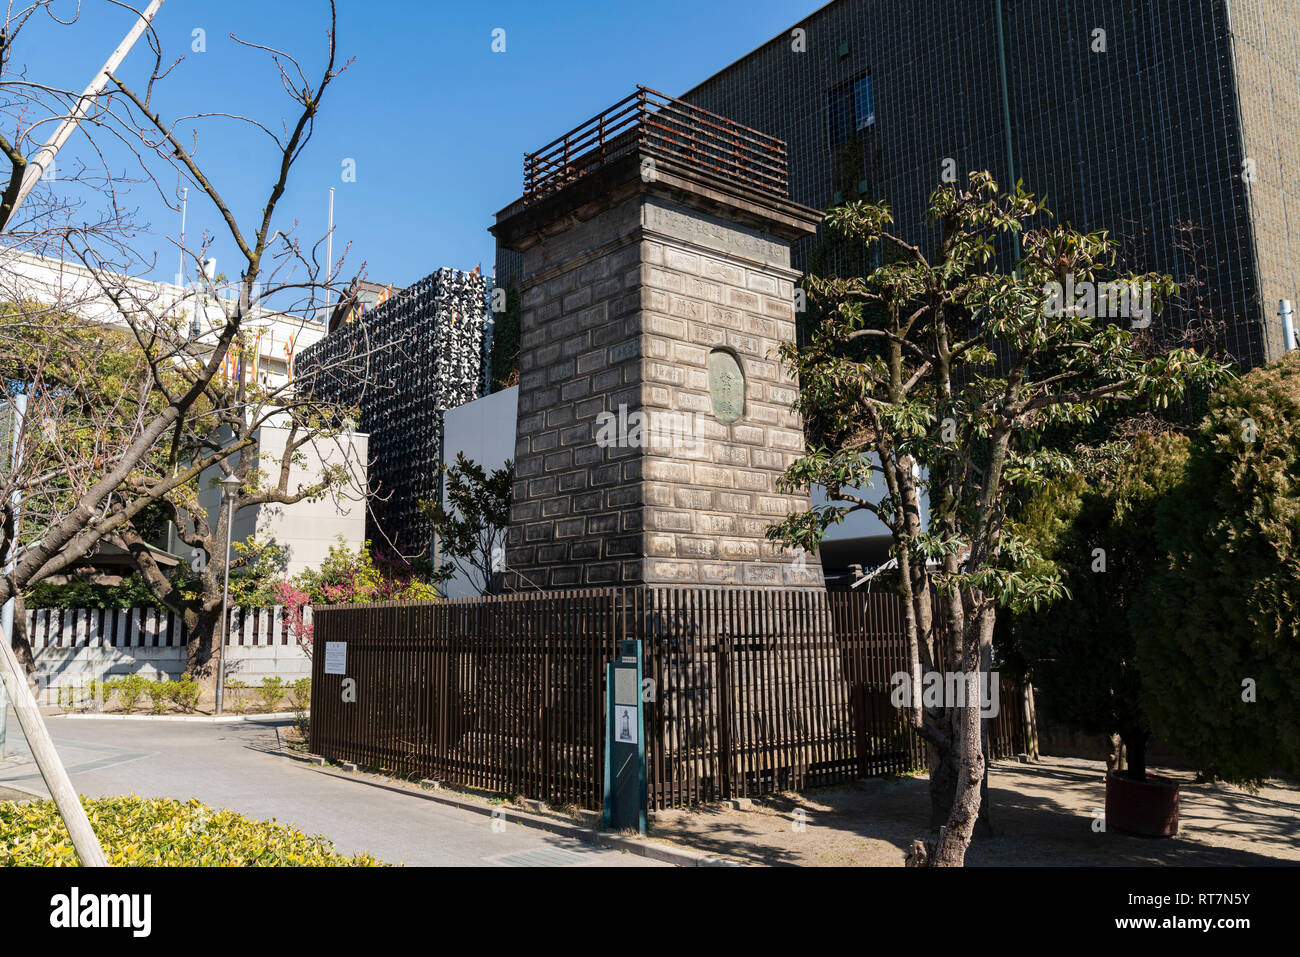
336,657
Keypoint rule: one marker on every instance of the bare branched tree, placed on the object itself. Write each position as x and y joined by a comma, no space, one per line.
293,448
134,398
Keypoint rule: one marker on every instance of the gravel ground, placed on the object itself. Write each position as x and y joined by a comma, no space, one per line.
1042,814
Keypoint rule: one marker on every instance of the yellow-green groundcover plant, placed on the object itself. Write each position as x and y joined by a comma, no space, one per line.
159,832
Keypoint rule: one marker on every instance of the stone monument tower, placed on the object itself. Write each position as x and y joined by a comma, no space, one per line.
654,414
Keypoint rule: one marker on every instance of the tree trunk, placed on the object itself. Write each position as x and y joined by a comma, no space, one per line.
943,789
968,747
202,624
1115,756
943,785
956,836
1135,749
19,642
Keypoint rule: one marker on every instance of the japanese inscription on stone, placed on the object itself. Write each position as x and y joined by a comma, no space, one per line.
726,386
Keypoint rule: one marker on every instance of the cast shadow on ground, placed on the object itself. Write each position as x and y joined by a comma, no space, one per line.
1043,814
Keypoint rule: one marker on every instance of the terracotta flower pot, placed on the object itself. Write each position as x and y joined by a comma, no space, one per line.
1147,808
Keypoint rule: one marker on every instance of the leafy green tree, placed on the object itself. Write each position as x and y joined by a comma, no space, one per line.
1097,526
471,527
938,373
1219,626
254,570
132,592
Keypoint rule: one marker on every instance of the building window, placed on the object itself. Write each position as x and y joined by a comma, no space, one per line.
850,107
864,102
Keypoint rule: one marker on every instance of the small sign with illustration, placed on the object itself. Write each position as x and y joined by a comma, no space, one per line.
625,724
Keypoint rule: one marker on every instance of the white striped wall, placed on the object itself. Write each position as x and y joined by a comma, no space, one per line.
147,628
74,645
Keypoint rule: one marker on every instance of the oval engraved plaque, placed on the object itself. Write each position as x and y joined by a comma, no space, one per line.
726,386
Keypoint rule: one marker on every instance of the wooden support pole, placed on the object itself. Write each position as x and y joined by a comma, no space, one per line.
40,163
47,759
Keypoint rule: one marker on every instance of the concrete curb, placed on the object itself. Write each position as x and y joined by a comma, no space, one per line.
18,787
277,717
589,835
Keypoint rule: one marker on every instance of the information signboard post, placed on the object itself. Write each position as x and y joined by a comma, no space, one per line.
625,786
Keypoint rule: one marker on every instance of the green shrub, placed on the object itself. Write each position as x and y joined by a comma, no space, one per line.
300,698
77,697
272,692
300,694
238,700
185,693
99,695
130,690
160,693
159,832
84,697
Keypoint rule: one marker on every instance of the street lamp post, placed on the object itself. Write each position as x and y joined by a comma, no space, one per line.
229,492
7,613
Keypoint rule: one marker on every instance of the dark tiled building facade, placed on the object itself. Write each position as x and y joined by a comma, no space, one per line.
1176,128
402,364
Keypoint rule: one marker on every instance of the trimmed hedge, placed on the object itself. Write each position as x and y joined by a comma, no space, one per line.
1082,648
1224,612
159,832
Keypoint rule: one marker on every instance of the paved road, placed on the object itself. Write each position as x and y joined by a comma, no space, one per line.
223,765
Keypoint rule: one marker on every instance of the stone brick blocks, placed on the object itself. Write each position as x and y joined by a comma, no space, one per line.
623,311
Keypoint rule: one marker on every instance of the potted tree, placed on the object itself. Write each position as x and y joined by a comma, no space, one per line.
1097,525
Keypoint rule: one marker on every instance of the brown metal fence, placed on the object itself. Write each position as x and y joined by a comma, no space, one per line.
751,691
504,694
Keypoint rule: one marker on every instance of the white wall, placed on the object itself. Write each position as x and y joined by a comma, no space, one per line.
307,529
484,430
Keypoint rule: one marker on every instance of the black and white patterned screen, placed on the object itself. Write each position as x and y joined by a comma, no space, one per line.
403,364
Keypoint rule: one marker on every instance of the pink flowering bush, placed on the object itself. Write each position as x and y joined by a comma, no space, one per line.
295,601
348,577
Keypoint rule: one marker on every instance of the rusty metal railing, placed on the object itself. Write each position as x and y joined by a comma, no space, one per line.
652,123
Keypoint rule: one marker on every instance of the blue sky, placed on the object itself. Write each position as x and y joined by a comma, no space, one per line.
436,122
